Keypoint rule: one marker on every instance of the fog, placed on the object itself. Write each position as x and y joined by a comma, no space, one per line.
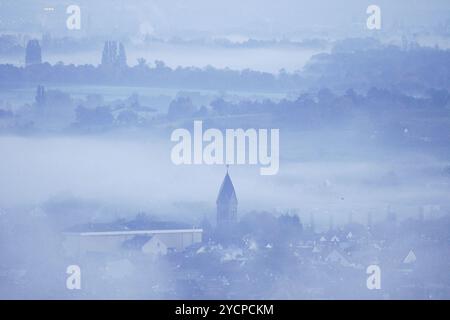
50,183
87,179
132,174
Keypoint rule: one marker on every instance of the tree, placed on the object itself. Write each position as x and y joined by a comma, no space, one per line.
142,63
127,117
33,53
97,117
181,107
114,54
109,53
121,56
40,96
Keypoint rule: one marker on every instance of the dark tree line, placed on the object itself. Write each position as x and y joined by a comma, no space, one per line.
413,70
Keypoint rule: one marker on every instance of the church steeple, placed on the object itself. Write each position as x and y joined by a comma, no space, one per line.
226,203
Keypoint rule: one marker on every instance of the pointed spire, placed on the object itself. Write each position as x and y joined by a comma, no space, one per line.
227,192
226,203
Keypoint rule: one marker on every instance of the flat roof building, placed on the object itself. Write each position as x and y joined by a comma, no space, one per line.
112,238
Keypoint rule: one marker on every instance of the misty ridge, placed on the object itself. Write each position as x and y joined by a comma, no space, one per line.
316,96
367,63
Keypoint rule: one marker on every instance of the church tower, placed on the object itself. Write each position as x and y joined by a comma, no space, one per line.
226,203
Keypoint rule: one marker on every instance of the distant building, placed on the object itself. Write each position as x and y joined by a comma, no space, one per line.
226,204
150,240
33,53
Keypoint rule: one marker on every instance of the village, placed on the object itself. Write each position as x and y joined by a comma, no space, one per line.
263,256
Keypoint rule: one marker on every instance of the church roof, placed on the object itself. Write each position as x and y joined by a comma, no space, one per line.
226,192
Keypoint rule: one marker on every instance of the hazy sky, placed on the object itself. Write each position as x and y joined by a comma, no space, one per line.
182,17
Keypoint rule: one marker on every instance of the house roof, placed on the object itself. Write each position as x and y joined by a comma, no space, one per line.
410,258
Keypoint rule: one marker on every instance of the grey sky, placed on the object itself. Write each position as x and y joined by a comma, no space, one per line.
248,17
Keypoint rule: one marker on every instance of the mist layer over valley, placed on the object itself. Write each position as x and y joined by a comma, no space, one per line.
93,99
